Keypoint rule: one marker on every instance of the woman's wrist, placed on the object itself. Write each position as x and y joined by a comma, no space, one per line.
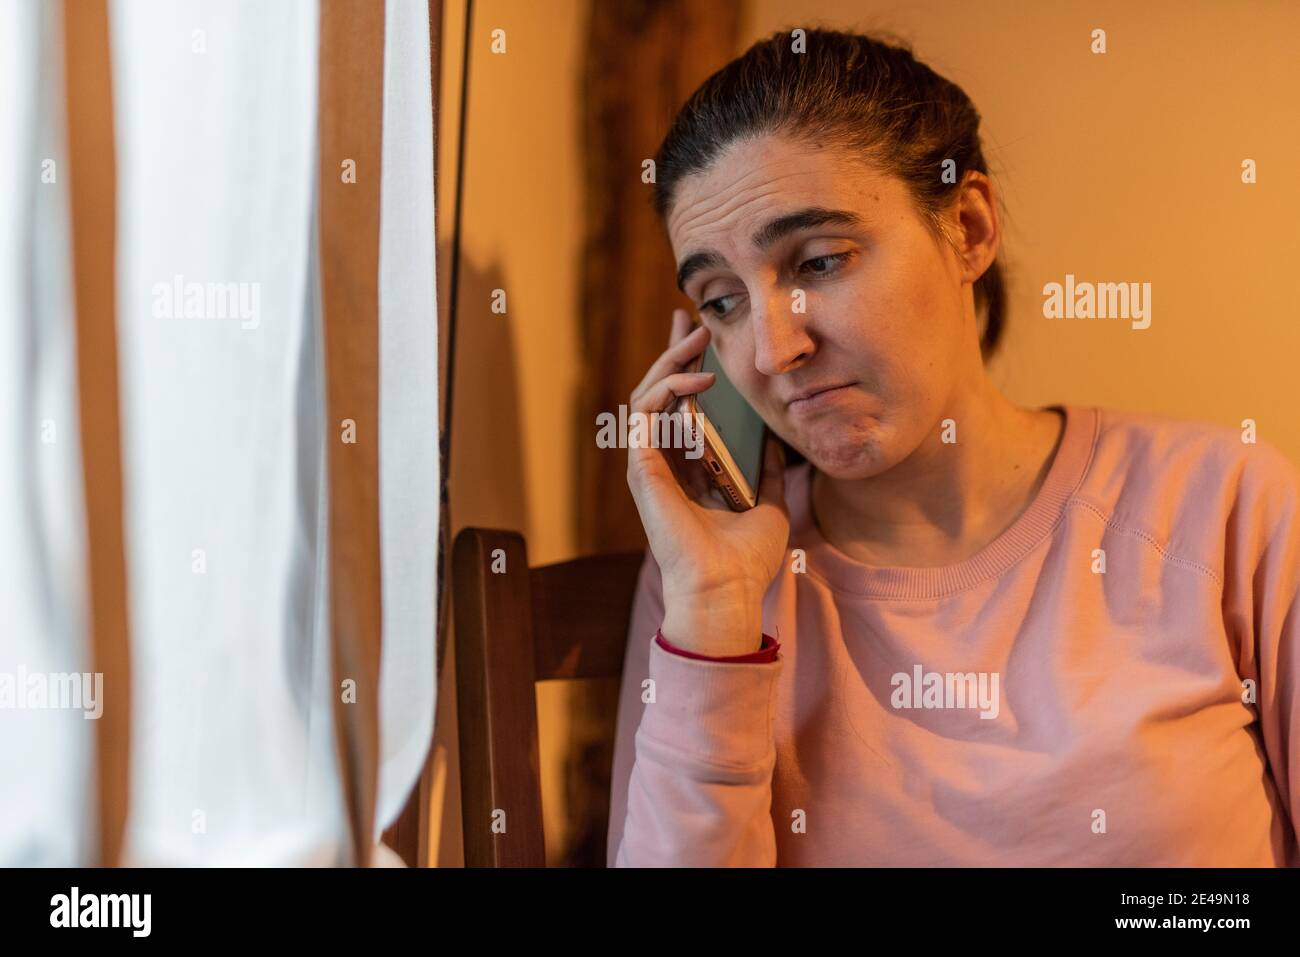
717,623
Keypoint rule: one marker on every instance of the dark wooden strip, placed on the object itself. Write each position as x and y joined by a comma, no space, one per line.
496,701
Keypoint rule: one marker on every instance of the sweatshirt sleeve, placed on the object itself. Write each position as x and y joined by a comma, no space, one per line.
1262,608
694,753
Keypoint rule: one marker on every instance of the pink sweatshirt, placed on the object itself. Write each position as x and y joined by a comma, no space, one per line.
1113,681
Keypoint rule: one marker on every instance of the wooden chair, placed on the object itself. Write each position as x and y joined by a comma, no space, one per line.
515,626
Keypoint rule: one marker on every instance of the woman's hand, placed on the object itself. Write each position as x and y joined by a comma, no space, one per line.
716,564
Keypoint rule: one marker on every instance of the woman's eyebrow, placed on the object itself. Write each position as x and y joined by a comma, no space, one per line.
694,263
802,219
769,233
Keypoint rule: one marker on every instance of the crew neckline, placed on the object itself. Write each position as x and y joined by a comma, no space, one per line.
1069,465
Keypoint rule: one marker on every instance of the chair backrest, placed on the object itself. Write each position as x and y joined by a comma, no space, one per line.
515,626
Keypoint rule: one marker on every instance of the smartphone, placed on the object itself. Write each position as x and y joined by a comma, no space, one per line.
732,434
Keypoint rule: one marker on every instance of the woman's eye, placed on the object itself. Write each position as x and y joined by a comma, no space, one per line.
719,307
817,266
823,265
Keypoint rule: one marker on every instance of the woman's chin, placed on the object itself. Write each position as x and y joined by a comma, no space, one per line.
844,453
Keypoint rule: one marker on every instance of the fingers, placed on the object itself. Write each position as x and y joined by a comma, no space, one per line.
668,390
653,472
647,463
680,328
688,344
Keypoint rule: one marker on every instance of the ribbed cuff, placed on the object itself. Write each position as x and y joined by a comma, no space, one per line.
766,653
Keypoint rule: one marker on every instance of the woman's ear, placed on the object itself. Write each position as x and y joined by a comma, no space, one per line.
980,229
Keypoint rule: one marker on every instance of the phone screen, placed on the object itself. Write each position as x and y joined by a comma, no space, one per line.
739,425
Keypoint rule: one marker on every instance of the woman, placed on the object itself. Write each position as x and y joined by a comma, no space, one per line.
961,632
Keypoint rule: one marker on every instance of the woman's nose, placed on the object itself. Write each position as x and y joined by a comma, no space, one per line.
779,324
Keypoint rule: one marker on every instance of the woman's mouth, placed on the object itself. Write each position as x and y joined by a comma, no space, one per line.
821,399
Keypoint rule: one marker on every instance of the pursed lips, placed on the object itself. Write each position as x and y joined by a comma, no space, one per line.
813,393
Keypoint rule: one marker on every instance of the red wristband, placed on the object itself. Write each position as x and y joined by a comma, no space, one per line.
765,654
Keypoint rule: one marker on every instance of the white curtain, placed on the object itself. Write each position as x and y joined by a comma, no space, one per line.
233,757
45,816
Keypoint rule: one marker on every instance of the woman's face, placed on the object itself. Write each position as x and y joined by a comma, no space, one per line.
814,271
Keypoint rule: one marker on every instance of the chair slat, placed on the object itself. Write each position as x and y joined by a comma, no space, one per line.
496,701
581,610
515,626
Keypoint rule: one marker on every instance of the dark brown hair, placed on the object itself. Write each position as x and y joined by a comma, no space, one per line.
868,96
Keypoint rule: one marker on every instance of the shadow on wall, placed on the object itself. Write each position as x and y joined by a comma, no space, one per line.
488,487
